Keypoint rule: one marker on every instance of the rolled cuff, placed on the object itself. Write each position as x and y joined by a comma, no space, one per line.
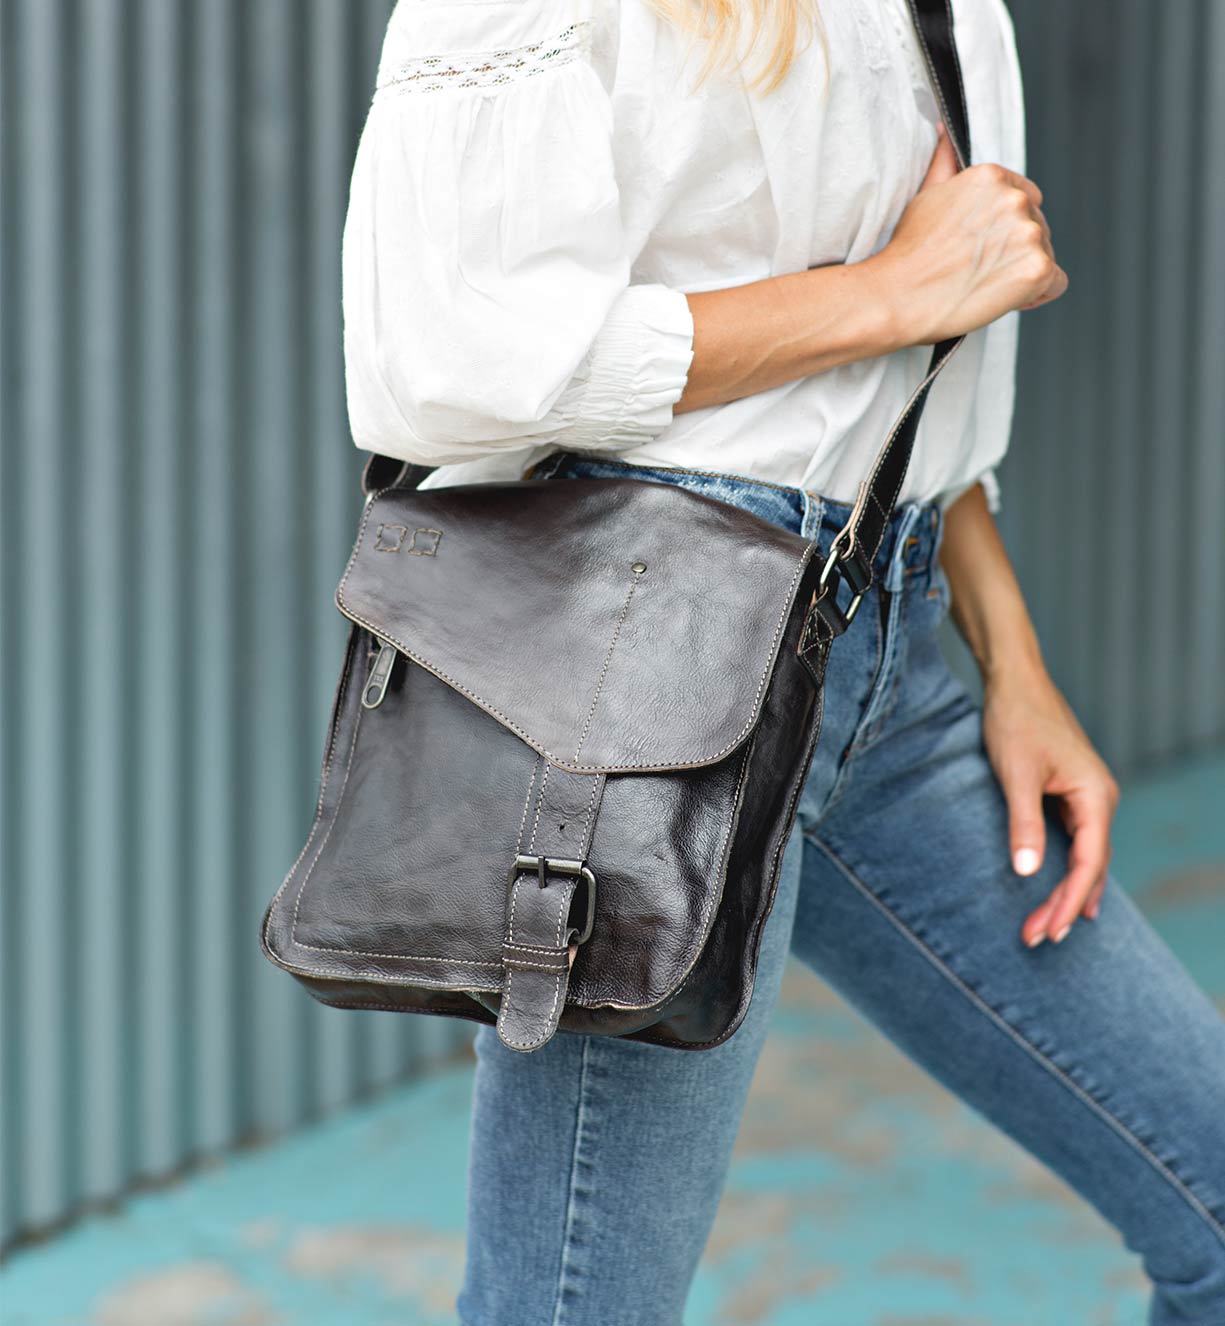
991,486
991,490
633,374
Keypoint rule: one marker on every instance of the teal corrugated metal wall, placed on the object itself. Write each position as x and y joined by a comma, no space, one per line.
1114,487
178,495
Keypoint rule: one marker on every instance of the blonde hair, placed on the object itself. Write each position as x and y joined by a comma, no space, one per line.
781,27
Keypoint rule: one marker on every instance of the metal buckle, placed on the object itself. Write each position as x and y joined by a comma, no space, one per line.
827,593
830,568
539,864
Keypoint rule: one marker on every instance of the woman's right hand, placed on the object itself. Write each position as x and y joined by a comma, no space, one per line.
971,246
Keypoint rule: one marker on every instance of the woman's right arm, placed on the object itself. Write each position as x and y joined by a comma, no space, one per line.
488,304
970,247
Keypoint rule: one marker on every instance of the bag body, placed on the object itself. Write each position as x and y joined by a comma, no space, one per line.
571,729
605,671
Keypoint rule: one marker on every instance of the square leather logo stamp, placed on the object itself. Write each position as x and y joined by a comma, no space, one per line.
424,542
399,538
390,538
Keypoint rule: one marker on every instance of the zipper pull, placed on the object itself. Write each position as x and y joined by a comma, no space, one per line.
380,675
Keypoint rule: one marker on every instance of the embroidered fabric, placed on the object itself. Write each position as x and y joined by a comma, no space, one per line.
479,69
903,28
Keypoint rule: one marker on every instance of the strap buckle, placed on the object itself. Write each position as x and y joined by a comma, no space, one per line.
831,577
540,864
825,606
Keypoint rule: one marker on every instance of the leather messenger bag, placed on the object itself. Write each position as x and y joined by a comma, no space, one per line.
571,728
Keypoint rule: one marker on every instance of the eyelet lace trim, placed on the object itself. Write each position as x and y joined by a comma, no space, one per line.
469,69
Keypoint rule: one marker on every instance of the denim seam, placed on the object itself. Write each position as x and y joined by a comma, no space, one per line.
884,700
1002,1023
884,641
559,1313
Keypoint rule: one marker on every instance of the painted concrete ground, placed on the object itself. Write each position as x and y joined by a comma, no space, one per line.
861,1194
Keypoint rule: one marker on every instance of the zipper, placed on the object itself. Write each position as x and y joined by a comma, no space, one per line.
380,675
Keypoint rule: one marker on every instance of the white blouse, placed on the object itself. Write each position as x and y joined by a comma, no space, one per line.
536,187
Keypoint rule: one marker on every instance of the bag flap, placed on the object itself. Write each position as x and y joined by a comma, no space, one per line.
614,625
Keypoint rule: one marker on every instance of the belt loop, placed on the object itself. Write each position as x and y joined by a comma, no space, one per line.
937,528
895,575
814,508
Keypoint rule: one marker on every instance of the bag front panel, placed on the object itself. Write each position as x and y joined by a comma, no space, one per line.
423,813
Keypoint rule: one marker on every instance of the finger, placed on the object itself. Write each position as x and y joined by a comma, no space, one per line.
1027,186
1093,905
1040,217
1088,857
1022,786
1058,285
943,163
1034,927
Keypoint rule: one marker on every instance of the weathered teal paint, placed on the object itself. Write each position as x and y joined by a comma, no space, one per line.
177,494
861,1193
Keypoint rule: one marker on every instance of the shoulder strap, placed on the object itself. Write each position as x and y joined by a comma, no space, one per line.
853,552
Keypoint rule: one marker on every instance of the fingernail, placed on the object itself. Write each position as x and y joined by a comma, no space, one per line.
1035,940
1062,933
1025,861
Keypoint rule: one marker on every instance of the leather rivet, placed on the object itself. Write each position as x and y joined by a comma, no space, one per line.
638,568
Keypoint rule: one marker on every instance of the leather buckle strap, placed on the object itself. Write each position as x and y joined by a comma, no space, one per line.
550,903
541,867
537,951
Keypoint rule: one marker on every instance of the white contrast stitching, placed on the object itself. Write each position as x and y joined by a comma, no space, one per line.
408,957
527,801
612,644
935,80
341,974
544,782
596,784
410,1008
961,89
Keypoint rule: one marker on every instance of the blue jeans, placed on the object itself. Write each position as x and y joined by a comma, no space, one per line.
596,1164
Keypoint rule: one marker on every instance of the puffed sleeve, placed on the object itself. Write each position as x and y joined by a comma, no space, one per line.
486,279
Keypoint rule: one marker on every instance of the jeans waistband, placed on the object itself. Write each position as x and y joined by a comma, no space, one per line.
912,537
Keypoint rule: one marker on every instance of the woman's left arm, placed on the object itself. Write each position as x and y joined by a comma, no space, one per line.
1034,743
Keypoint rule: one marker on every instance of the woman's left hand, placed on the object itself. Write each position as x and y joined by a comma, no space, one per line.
1037,748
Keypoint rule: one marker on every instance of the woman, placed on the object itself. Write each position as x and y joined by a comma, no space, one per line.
583,242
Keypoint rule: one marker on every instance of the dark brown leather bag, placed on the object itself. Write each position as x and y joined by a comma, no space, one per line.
571,729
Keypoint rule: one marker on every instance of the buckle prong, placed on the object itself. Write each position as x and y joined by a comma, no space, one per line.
538,866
